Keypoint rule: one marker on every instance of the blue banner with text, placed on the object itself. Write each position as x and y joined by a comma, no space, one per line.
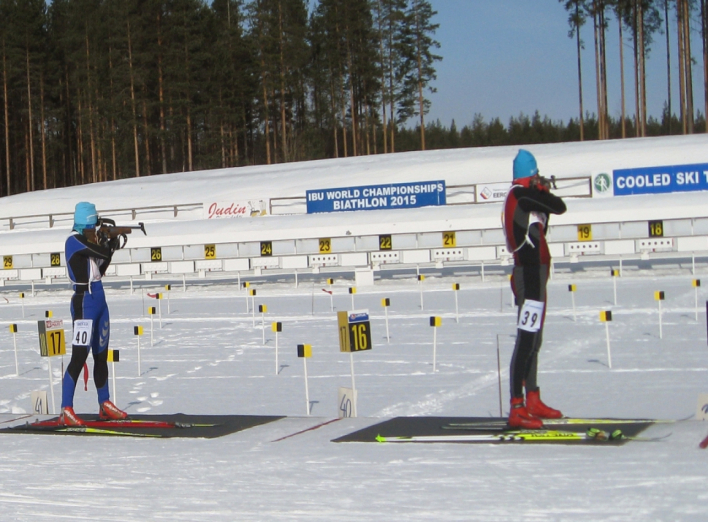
660,180
377,197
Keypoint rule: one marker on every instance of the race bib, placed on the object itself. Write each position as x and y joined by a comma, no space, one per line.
82,332
531,316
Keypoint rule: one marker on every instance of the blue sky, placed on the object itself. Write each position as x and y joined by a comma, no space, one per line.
504,57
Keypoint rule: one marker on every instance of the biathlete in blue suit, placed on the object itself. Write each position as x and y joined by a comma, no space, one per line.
87,261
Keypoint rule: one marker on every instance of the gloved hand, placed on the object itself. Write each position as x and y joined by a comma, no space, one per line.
114,243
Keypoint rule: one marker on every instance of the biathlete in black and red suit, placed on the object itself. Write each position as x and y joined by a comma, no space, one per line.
526,211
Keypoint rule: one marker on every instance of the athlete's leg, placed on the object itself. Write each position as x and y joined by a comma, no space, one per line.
532,365
99,347
527,286
79,354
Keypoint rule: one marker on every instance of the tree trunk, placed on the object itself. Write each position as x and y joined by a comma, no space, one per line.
603,72
383,80
161,94
419,62
80,139
30,133
43,135
688,68
643,70
668,62
704,36
148,161
682,63
283,122
190,158
90,110
8,178
132,102
266,118
621,48
637,115
335,129
580,74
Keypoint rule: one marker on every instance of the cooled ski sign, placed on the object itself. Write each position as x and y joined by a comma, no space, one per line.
659,180
375,197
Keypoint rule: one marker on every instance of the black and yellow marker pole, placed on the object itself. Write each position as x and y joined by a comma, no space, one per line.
572,289
263,309
113,358
330,282
659,296
13,331
245,286
277,328
455,289
152,311
138,332
606,317
696,283
158,296
167,289
252,293
386,302
22,300
614,274
421,278
435,322
352,292
304,351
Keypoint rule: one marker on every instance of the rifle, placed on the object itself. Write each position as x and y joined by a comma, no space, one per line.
107,230
549,183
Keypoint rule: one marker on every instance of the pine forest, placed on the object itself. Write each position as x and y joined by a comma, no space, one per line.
96,90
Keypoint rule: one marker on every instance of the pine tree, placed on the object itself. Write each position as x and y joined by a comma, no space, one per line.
421,59
576,19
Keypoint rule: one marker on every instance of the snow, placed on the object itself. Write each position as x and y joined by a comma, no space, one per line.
209,358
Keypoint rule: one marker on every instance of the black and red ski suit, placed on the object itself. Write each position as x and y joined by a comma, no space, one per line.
525,220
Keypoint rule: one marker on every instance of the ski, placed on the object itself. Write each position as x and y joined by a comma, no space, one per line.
84,430
558,422
598,434
509,436
525,436
127,423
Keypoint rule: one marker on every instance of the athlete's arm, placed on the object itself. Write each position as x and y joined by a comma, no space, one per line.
534,200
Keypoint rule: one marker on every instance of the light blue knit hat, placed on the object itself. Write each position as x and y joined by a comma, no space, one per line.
524,165
84,215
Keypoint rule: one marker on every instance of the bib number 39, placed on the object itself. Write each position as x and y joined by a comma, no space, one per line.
82,332
531,316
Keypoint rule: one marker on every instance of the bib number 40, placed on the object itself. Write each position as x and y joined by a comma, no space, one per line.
83,329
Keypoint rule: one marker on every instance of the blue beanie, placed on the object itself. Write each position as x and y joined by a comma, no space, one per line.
524,165
84,215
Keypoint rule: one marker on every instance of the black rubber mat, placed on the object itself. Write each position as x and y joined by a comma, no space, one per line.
461,429
186,426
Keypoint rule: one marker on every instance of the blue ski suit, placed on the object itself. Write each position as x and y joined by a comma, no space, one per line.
87,263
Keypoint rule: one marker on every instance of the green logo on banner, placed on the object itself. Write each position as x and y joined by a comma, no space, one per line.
602,182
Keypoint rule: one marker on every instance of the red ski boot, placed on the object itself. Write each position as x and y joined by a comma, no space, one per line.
69,418
110,411
519,417
536,407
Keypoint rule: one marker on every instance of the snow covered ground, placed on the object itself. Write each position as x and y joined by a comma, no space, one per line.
209,357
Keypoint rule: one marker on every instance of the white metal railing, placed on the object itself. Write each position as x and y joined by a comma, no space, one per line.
578,187
51,219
